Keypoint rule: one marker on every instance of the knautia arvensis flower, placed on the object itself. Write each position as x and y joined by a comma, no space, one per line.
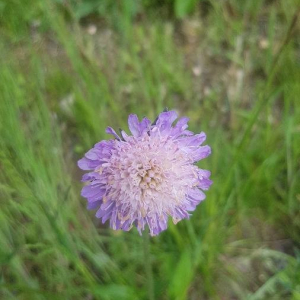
143,178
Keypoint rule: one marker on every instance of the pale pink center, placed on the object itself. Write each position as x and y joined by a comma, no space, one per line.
150,174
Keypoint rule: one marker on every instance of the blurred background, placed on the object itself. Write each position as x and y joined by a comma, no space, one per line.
69,68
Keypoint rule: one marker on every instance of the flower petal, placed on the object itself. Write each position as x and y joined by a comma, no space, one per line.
145,125
180,127
111,131
201,152
93,205
93,192
87,164
93,154
166,119
134,125
192,141
90,176
205,183
196,195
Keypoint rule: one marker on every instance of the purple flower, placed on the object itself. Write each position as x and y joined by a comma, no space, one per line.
143,178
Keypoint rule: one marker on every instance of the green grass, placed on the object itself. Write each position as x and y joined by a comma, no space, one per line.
234,70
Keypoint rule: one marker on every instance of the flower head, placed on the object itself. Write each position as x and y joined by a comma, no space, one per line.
143,178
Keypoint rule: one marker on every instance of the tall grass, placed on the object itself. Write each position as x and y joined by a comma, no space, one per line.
234,71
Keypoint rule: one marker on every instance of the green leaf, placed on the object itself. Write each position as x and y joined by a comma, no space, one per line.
182,277
184,7
114,291
86,8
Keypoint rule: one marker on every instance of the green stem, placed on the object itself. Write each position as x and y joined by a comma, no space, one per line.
148,265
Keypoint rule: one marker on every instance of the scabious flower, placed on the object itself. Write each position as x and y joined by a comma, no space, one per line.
143,178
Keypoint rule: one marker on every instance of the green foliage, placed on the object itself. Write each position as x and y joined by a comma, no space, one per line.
234,73
182,277
16,15
130,8
183,8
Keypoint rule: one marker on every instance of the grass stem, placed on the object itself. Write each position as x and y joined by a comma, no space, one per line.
148,265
